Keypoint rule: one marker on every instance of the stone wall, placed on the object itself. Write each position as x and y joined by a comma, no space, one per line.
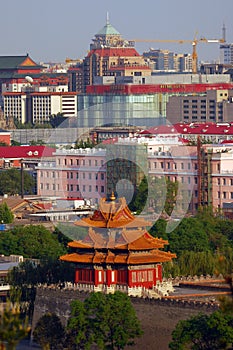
158,317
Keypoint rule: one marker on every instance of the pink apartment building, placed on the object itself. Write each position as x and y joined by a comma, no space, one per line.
204,178
75,173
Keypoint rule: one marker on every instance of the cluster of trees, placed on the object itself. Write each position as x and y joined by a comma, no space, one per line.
33,241
10,182
13,327
199,242
159,194
107,321
55,121
204,332
84,143
6,216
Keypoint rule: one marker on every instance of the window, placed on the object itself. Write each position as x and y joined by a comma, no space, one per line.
47,186
102,189
224,195
102,176
90,188
71,187
77,176
65,161
155,165
84,188
84,175
96,188
77,161
161,165
89,176
71,175
189,166
89,162
71,162
77,187
224,181
96,162
83,161
231,182
68,187
182,165
67,175
195,180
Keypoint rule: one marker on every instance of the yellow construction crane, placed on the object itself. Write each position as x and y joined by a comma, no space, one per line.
194,43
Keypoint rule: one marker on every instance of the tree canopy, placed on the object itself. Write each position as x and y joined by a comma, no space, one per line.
49,332
203,332
6,216
32,241
106,320
10,182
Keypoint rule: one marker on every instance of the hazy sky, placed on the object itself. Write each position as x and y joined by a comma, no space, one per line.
51,30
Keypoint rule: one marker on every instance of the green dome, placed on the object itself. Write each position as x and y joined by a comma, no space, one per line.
108,29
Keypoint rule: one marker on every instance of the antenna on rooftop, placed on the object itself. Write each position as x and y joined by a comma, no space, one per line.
107,18
224,32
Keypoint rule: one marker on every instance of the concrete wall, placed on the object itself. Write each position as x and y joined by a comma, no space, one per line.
158,317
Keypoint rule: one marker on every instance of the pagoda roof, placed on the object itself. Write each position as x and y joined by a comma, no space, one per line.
115,237
129,240
153,256
16,62
113,214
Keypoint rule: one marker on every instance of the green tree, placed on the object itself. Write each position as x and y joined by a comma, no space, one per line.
10,182
12,327
107,320
160,194
56,119
15,143
189,235
32,241
203,332
88,143
6,216
49,332
37,142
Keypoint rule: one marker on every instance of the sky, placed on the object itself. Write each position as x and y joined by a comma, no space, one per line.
52,30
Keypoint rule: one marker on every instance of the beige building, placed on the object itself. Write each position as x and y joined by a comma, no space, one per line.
213,106
110,54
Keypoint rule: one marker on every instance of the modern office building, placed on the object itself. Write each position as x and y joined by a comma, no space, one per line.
226,53
35,107
214,106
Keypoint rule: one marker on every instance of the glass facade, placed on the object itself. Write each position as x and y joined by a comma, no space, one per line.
137,110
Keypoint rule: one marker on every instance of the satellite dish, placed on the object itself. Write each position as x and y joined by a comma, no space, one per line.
29,79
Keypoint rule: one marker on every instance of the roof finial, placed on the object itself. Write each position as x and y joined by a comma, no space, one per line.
107,18
112,197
